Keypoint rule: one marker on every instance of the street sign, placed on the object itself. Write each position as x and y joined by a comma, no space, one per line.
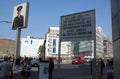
78,26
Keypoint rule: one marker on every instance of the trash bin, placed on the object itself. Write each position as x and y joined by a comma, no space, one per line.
43,69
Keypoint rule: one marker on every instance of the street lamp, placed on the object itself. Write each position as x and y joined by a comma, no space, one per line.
5,22
7,50
17,49
9,42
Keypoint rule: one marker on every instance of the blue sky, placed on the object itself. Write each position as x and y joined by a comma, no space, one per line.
46,13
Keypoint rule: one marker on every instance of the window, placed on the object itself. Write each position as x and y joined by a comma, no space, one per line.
54,50
54,42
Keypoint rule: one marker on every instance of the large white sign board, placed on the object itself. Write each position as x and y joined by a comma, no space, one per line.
78,26
20,16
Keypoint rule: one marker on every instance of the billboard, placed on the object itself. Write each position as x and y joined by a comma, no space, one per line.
78,26
20,16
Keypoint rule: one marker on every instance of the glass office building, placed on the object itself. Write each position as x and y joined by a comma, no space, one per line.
115,9
86,47
83,48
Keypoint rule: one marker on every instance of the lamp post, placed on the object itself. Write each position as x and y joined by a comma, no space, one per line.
8,40
5,22
17,47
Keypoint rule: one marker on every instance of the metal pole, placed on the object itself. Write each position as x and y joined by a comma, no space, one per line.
94,60
17,46
59,53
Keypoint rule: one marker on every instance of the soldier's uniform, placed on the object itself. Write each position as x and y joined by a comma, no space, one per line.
18,22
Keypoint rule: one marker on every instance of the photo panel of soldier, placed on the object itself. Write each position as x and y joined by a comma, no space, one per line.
20,16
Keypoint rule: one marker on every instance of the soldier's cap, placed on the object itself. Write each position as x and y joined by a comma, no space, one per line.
19,8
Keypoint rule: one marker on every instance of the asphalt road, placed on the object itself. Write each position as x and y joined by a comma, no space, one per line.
73,71
67,71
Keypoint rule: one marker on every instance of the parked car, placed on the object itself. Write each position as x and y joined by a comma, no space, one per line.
87,60
34,62
78,60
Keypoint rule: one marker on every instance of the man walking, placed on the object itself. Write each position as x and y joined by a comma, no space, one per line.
51,67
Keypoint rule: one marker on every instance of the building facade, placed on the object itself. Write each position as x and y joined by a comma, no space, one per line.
30,46
52,40
115,9
52,44
99,42
86,47
108,47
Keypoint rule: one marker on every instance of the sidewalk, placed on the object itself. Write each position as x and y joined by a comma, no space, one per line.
34,74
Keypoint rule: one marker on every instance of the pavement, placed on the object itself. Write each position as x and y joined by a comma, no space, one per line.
34,74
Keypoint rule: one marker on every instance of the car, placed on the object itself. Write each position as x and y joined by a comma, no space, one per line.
87,60
78,60
34,62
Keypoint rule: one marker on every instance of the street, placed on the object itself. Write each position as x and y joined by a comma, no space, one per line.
71,71
67,71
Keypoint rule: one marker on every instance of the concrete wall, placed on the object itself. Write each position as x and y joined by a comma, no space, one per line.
7,46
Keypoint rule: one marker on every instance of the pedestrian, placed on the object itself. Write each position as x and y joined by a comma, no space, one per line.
51,67
11,59
40,59
6,71
91,66
111,63
110,72
102,65
18,64
26,70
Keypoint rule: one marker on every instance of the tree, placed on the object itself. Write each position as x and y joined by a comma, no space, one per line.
41,51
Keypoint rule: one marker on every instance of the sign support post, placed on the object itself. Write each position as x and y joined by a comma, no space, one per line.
94,60
17,46
59,55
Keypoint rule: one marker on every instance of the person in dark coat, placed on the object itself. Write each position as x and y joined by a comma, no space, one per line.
17,63
102,66
51,68
91,66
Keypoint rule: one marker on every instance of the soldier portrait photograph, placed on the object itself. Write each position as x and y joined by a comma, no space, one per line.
20,15
19,19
